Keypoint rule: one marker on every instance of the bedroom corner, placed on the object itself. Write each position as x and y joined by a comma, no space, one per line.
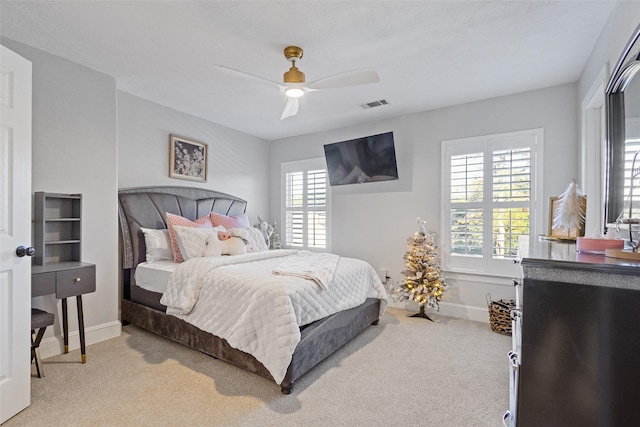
74,152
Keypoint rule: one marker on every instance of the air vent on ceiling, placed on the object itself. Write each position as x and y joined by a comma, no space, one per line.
373,104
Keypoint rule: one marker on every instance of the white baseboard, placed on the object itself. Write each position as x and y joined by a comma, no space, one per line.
54,346
461,311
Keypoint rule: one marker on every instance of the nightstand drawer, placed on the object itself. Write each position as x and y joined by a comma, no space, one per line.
43,284
75,282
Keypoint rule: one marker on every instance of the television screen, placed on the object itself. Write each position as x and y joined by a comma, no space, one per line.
367,159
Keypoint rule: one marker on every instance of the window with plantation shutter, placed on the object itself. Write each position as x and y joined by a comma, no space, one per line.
466,203
489,200
631,147
305,205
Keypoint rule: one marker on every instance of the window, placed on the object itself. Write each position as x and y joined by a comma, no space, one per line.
306,205
631,147
489,189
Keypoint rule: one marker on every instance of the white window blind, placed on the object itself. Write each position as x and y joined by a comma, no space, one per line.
631,147
306,205
511,200
467,174
488,199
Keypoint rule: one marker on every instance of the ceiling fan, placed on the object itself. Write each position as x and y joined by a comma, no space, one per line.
294,85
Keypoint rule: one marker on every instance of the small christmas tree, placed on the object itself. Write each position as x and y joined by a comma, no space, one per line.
423,282
570,212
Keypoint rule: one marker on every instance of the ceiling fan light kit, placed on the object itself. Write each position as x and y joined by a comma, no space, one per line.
294,92
294,86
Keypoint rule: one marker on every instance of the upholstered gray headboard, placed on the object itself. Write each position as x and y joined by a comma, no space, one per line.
146,207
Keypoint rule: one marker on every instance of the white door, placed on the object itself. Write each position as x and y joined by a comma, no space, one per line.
15,230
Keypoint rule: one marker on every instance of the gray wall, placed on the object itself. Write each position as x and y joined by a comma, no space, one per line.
237,162
373,222
74,151
612,40
92,139
620,26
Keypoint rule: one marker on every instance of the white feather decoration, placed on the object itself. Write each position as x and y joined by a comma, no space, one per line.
569,213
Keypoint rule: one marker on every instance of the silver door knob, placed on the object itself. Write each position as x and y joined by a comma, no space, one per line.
25,251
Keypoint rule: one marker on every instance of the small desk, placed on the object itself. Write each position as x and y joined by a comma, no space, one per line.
65,279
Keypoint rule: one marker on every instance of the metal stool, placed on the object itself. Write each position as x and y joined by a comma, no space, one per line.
39,320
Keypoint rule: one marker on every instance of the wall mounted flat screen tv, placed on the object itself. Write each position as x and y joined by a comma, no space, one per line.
356,161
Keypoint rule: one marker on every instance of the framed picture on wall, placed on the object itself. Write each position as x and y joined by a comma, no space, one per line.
187,159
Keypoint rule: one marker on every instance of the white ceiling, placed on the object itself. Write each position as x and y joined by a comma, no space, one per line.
429,54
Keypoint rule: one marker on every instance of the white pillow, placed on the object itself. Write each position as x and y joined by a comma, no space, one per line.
194,241
216,247
253,236
212,246
158,244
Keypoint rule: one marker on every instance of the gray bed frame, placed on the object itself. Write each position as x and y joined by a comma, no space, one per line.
146,207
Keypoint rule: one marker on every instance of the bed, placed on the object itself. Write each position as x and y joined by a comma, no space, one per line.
145,208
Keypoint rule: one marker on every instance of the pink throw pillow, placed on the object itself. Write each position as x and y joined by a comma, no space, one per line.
237,221
173,220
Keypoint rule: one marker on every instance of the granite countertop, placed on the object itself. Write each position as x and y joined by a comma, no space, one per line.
560,261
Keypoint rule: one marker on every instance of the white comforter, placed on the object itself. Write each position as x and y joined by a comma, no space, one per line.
239,299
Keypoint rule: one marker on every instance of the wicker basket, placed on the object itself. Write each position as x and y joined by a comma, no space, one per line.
500,315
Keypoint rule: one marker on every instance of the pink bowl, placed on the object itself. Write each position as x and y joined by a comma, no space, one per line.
597,246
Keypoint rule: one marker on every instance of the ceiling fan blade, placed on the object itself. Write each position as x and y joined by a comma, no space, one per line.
349,78
247,75
290,108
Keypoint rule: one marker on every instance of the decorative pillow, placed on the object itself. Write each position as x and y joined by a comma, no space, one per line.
212,246
232,246
254,238
195,242
158,244
173,220
237,221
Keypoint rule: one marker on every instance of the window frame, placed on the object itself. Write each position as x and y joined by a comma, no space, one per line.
304,166
631,144
486,264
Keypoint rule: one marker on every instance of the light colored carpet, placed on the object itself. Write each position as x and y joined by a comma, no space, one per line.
403,372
